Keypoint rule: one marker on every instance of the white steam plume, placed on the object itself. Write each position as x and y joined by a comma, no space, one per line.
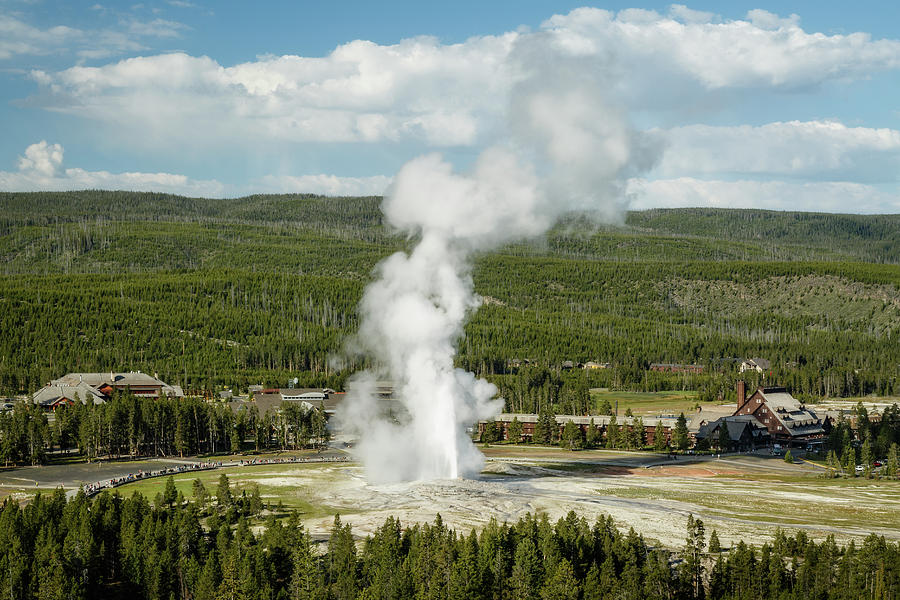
568,149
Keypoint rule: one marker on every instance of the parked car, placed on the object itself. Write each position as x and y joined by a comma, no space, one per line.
877,463
860,468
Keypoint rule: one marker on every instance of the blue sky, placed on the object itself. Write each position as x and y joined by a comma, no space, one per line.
776,105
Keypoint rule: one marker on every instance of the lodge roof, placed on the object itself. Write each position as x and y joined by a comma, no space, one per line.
762,363
708,414
736,426
271,402
135,378
79,387
52,394
796,419
599,420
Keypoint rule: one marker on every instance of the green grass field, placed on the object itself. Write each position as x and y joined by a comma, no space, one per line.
287,484
647,403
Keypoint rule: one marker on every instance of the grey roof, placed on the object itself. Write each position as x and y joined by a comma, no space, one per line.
599,420
271,403
708,414
173,391
762,363
304,393
796,419
80,392
265,403
736,425
383,388
112,378
82,386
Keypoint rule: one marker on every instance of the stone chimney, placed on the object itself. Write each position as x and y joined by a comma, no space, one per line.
741,394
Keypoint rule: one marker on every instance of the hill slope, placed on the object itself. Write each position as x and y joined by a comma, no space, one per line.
237,291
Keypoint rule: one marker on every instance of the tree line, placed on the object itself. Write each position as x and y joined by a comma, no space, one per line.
205,549
130,425
869,442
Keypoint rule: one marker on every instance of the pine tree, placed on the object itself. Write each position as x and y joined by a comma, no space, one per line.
834,465
892,466
849,458
639,433
306,580
572,435
657,576
659,437
230,587
680,435
546,430
465,579
692,556
490,434
605,408
170,494
514,432
527,571
592,586
718,579
562,584
200,493
612,433
714,544
593,435
724,437
867,457
341,561
223,492
788,458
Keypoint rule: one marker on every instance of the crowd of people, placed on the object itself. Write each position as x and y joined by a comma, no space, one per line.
95,488
291,459
92,489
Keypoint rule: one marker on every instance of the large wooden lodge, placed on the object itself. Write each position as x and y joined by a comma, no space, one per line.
96,388
769,416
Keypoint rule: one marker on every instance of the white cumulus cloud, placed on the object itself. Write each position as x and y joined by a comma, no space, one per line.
451,94
421,92
40,169
41,158
818,149
761,51
417,89
837,197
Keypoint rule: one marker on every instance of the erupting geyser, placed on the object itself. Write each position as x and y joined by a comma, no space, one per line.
413,314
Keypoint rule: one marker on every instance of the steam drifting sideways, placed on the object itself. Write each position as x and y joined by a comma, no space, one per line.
568,149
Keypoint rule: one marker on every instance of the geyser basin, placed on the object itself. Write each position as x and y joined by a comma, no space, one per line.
413,314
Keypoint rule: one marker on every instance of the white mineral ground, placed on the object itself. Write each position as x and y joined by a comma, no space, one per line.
508,490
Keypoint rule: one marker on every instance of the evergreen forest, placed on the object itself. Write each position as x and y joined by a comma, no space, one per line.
212,293
205,549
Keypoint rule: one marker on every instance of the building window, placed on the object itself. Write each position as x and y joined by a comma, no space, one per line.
759,400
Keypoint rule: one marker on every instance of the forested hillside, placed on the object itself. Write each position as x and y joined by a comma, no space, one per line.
210,292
